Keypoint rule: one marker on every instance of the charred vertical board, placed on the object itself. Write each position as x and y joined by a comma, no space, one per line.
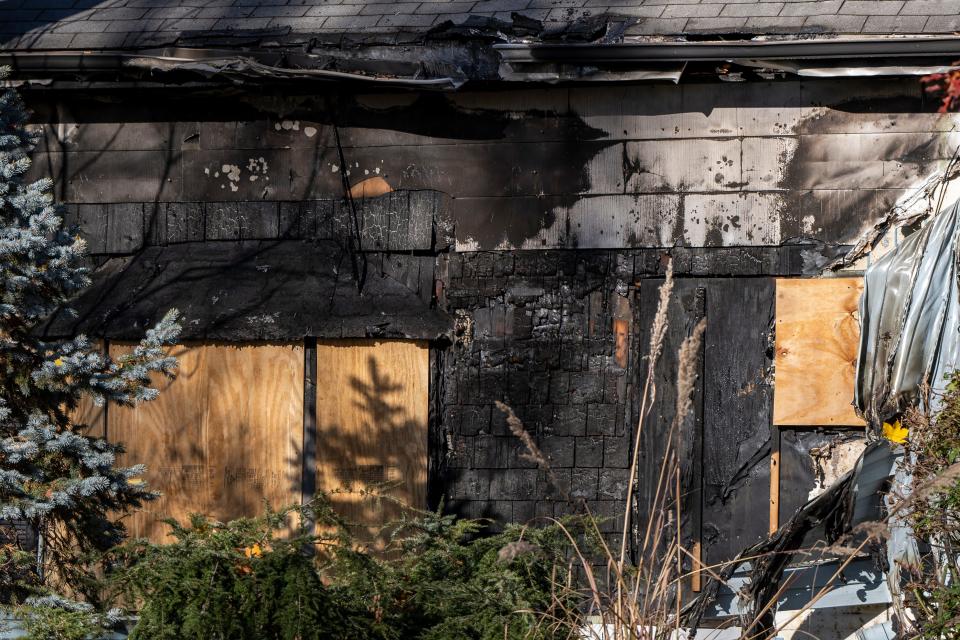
436,438
686,308
737,414
696,486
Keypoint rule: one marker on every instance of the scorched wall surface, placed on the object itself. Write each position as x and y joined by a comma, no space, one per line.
538,220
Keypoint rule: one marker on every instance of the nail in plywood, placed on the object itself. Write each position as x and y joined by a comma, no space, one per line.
816,350
221,438
372,409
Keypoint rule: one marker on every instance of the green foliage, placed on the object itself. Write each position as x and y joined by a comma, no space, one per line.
437,579
54,475
238,580
54,618
48,623
939,609
934,448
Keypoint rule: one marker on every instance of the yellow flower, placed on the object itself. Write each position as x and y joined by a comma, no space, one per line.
895,432
58,362
253,552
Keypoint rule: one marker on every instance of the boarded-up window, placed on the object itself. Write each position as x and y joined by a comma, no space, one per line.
372,408
816,350
227,433
222,437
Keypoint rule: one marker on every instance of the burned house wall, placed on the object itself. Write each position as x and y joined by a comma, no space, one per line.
539,221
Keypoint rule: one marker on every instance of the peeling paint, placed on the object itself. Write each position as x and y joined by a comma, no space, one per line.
231,171
832,461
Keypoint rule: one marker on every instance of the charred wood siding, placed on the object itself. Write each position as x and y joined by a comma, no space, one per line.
725,443
530,216
752,164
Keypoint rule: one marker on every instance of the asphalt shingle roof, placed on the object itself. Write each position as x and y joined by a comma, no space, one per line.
101,24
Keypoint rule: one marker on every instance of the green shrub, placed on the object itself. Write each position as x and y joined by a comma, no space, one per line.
932,586
437,579
56,618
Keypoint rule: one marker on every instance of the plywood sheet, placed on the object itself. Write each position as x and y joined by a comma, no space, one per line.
372,408
224,436
817,332
88,413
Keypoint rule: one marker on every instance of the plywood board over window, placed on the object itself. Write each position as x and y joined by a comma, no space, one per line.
372,406
817,333
222,437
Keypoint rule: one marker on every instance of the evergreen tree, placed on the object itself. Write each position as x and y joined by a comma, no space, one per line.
54,475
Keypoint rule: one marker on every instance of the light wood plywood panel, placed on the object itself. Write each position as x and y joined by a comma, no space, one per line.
222,437
88,413
372,404
817,333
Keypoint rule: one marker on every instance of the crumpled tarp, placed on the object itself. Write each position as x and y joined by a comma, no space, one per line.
909,316
909,344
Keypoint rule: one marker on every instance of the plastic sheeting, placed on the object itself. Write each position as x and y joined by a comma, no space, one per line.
909,316
909,342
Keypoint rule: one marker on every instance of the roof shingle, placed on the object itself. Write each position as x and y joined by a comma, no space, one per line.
59,24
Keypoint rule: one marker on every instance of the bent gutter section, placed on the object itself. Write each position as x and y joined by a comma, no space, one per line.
632,61
724,51
235,67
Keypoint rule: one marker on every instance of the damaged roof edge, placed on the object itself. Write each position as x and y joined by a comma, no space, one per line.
716,51
824,58
525,61
206,63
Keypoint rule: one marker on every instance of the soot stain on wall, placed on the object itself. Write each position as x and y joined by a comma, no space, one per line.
811,179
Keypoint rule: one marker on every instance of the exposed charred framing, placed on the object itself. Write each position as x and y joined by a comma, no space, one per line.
438,435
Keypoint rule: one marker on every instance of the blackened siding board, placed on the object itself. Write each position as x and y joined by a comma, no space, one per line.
733,473
738,404
685,309
752,165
